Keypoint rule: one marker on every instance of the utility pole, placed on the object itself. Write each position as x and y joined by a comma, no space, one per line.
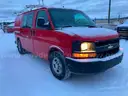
109,12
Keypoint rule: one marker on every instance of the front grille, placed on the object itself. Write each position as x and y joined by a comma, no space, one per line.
107,42
103,50
107,53
122,29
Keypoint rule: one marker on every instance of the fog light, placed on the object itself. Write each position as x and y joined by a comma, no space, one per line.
84,55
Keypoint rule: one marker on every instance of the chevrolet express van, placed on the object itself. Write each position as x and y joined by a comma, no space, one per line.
68,39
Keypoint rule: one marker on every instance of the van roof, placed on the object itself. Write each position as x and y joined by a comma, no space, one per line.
45,8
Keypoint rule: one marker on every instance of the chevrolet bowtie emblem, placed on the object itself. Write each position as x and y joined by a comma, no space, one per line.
110,46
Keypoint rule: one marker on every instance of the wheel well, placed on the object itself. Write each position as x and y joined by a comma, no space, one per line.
52,50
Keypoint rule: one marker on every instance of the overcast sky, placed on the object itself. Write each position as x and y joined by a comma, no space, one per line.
94,8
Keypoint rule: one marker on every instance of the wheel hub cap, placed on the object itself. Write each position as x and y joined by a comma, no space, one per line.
57,66
19,47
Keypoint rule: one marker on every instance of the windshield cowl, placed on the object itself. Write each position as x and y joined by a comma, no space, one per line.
61,28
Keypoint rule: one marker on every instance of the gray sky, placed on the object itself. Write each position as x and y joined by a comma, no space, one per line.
94,8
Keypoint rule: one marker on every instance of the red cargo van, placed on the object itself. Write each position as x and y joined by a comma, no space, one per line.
68,39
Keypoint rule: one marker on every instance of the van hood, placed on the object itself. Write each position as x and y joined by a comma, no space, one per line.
88,32
123,25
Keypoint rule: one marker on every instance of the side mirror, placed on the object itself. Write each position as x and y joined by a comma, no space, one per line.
94,21
40,22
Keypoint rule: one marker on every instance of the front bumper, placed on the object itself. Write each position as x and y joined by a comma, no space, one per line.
94,65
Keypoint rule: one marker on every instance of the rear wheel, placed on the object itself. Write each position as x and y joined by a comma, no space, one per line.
20,48
58,66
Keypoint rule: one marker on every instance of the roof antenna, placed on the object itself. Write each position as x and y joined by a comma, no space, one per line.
39,2
43,2
62,5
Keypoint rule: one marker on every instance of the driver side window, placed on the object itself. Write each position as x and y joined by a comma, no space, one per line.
42,19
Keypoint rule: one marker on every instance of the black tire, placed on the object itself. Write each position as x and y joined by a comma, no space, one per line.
65,73
21,50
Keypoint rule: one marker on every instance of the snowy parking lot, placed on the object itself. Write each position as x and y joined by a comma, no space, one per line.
27,75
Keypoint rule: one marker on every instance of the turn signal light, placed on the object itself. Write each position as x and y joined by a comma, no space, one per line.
84,55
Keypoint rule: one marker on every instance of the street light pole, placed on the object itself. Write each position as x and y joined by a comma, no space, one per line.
109,12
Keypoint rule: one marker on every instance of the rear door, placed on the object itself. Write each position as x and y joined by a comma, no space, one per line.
27,26
30,21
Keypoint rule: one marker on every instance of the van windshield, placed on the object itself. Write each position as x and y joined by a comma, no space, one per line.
70,18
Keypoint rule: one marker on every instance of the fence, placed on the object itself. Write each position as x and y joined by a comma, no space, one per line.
112,21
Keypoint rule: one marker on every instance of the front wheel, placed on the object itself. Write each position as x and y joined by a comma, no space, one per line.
58,66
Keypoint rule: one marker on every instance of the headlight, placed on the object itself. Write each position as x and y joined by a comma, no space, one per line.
87,47
83,50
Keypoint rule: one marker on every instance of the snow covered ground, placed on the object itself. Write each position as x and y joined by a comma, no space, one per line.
26,75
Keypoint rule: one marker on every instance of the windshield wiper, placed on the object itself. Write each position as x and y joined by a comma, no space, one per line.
90,25
66,26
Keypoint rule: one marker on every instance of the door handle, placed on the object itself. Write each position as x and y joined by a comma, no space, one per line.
26,36
17,32
33,32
